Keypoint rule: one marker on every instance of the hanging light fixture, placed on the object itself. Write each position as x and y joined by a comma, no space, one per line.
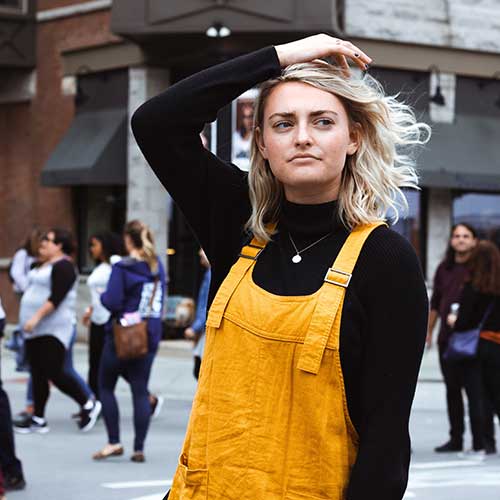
218,30
437,97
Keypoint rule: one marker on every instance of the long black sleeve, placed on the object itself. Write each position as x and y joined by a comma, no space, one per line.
208,190
62,279
384,319
394,298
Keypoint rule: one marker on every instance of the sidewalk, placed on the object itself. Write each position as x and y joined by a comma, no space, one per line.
430,371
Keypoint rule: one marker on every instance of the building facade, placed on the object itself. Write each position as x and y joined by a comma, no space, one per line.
67,156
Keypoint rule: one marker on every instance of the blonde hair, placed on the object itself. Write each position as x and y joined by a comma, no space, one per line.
372,177
143,240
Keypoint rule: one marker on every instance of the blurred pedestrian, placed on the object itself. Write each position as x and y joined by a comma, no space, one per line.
11,470
22,262
105,249
300,396
480,304
489,343
135,293
449,280
48,317
196,332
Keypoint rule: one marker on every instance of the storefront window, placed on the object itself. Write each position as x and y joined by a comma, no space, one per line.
481,211
13,6
105,208
409,224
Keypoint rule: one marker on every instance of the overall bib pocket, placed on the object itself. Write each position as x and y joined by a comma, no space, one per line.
191,484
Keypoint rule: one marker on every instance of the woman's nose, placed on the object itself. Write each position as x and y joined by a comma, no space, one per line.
302,135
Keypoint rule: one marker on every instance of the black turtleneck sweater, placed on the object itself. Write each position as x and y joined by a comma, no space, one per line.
384,317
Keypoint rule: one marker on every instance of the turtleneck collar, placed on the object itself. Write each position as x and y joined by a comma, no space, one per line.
309,220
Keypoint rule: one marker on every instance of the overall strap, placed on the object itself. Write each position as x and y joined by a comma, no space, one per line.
328,310
247,258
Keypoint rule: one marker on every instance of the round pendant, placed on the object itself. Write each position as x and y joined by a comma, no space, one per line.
296,259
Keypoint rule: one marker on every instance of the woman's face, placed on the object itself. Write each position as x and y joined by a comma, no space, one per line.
305,136
95,249
48,248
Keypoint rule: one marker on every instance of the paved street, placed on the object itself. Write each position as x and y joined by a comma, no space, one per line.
58,464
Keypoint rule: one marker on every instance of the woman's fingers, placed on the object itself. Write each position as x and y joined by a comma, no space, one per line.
343,64
349,50
321,46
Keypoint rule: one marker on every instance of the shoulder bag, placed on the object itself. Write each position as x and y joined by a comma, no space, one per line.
463,345
131,342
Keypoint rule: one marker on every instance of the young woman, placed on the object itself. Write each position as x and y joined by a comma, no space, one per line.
48,317
105,249
480,297
131,286
316,328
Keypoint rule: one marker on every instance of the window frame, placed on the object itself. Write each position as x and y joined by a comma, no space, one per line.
22,8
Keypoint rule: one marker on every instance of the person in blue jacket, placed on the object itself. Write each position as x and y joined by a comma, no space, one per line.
129,291
196,332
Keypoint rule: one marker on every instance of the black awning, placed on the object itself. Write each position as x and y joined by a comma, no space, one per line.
93,151
463,155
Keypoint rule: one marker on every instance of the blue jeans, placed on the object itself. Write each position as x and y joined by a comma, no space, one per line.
136,372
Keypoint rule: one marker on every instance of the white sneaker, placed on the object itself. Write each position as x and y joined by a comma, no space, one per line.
88,418
31,426
157,406
473,455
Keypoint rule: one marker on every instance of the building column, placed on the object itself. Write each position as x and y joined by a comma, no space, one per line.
147,199
439,222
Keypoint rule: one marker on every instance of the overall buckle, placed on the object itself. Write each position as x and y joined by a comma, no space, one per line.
251,257
343,280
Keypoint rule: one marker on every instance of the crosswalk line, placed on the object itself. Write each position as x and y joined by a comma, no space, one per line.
137,484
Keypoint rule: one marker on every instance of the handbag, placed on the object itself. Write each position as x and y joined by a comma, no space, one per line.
463,345
131,341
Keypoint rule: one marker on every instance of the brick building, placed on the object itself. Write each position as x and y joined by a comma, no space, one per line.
67,156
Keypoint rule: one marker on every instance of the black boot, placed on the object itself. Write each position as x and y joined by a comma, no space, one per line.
449,447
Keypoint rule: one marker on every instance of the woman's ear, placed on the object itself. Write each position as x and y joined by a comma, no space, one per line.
354,139
260,142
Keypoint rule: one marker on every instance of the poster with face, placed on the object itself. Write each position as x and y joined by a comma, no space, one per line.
242,128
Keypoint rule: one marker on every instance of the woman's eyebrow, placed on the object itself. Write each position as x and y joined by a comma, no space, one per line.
319,112
324,112
281,115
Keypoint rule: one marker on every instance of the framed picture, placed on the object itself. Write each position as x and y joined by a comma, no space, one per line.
242,122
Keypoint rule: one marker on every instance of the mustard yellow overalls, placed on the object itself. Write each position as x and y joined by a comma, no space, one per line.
270,418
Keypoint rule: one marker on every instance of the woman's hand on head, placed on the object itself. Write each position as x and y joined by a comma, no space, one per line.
321,46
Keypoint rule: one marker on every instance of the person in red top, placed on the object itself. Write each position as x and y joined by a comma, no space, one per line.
448,283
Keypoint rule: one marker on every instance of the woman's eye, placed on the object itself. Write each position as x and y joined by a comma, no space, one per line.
282,125
324,122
